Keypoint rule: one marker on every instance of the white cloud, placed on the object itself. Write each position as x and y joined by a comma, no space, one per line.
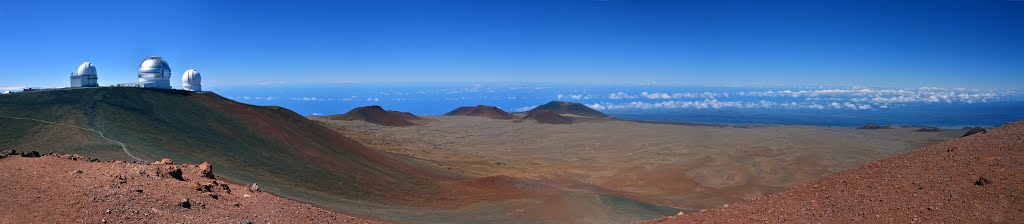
12,88
307,99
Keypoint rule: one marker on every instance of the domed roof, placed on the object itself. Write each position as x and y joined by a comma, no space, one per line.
86,69
154,68
191,77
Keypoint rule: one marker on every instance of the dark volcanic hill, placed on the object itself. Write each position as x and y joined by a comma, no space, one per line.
377,115
873,126
973,179
481,111
282,151
560,107
547,117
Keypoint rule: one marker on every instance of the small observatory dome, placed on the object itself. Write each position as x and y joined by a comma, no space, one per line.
192,81
154,68
86,69
86,76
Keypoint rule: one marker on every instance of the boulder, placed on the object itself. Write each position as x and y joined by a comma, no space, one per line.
254,188
174,172
206,170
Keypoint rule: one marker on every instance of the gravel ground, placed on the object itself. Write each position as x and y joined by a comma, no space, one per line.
57,189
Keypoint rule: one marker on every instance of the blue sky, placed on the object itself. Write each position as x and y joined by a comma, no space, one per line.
970,43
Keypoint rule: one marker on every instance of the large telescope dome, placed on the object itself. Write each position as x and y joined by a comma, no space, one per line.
154,68
191,80
86,69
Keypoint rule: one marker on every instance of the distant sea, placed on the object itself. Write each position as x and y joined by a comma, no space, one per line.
820,106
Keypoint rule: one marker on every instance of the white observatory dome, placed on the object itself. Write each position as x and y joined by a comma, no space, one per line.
86,69
191,80
154,68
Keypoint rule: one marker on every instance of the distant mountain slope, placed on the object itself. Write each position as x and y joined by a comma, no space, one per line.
973,179
560,107
377,115
547,117
281,150
481,111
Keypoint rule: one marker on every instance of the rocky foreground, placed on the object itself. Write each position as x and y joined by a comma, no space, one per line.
974,179
54,188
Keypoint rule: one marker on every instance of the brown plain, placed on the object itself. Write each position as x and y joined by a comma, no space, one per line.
686,167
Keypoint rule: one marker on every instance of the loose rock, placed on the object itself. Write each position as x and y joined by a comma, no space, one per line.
164,161
185,203
30,154
981,181
254,188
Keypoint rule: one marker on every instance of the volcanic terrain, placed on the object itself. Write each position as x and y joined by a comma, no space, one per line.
73,189
377,115
481,111
682,166
561,107
291,156
974,179
546,117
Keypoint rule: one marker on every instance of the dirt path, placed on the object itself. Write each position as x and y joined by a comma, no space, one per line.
123,147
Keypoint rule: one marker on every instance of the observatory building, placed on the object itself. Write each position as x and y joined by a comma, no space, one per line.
86,76
153,73
192,81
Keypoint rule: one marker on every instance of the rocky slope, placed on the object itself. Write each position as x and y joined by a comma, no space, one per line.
71,189
974,179
285,152
481,111
377,115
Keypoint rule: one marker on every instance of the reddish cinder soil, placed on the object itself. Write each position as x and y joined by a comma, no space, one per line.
52,189
974,179
482,111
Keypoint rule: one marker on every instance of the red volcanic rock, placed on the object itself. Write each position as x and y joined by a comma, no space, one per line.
174,172
481,111
964,180
164,161
206,170
560,107
377,115
547,117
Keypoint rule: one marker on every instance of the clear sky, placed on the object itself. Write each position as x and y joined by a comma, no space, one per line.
902,43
